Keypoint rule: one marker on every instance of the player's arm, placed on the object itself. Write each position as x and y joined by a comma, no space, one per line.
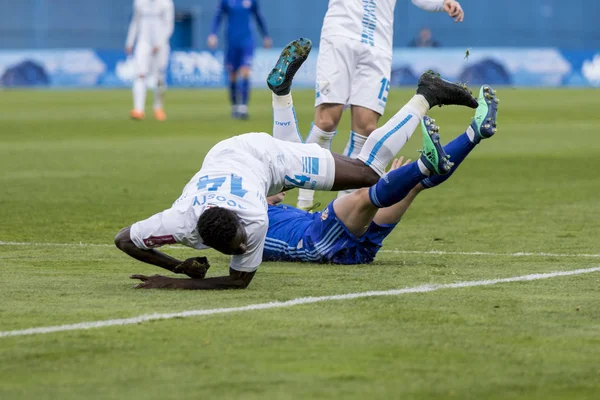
133,30
241,269
169,21
235,280
213,40
262,26
142,249
150,256
452,7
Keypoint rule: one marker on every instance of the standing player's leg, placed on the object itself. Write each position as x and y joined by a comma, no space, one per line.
368,98
246,55
335,64
161,61
231,63
143,55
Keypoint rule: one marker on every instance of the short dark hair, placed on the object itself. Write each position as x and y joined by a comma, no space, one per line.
218,227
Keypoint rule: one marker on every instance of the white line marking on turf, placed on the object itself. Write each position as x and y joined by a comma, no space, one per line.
289,303
424,252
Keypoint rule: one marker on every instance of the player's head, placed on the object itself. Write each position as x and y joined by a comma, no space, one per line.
222,230
276,198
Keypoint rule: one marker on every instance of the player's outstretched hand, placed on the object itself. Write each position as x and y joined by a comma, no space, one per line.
153,282
212,41
454,9
194,267
399,162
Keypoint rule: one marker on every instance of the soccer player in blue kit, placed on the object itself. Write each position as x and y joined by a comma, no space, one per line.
351,229
239,48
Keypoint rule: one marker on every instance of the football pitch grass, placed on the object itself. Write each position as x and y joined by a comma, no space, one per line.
74,170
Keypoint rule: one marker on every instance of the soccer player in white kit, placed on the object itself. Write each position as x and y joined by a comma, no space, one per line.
224,205
150,30
354,68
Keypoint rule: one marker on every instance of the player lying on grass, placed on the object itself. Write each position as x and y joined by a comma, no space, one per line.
351,229
224,205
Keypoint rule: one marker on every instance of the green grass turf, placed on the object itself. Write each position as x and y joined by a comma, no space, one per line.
74,169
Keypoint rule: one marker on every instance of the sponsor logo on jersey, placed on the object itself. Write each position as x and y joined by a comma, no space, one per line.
281,123
155,241
325,214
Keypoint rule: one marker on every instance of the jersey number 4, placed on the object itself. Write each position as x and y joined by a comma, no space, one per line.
236,184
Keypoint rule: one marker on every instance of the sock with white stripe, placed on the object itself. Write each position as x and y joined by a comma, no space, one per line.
395,185
354,145
285,125
316,135
139,94
385,142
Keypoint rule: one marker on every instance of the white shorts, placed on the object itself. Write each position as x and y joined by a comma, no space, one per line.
350,72
276,164
147,63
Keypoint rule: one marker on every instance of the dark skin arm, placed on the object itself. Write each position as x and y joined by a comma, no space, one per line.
194,267
154,257
235,280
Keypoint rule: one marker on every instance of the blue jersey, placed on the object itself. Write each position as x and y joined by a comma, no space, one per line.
296,235
239,13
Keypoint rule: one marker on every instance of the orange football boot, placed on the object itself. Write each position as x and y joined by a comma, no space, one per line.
160,114
136,115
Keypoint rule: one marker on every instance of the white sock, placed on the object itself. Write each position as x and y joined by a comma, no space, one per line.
385,142
159,92
423,168
305,196
285,124
354,145
139,94
320,137
471,134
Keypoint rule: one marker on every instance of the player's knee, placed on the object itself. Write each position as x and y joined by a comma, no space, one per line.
326,122
364,128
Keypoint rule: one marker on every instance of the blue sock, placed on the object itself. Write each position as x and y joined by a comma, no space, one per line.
233,92
395,185
458,149
245,90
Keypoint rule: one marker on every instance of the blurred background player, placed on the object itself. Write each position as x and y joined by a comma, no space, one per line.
354,68
150,30
424,39
239,48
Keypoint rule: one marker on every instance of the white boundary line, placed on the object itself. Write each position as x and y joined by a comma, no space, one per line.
289,303
396,251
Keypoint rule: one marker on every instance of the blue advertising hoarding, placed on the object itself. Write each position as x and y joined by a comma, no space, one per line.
87,68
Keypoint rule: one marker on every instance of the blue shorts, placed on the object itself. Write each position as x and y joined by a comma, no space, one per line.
239,56
325,240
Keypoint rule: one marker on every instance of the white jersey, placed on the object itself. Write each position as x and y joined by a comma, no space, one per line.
370,21
238,174
152,23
